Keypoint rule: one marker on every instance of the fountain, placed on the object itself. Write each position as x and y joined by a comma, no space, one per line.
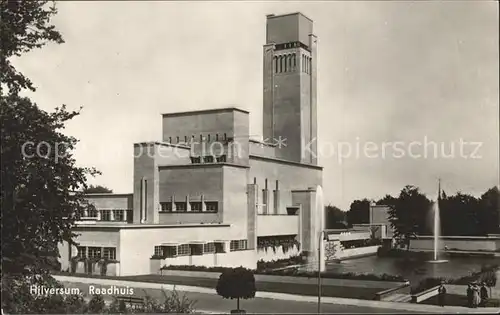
437,227
318,221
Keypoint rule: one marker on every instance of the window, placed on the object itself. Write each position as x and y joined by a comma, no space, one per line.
238,245
216,137
94,252
208,138
109,253
221,159
183,250
118,215
196,249
180,206
196,206
219,248
93,213
209,248
170,251
158,251
166,206
212,206
195,159
185,139
177,139
105,215
82,251
208,159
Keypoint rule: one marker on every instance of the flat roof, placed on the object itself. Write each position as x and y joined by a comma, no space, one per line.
205,111
277,160
166,144
108,195
272,16
118,226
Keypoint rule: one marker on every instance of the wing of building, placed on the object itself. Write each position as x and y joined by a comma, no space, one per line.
207,194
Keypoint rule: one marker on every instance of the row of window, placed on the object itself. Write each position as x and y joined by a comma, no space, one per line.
197,249
288,63
97,252
192,139
208,159
116,215
291,45
196,206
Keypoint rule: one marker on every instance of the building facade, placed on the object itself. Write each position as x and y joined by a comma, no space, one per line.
207,194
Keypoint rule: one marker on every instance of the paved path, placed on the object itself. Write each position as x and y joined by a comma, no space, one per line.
266,302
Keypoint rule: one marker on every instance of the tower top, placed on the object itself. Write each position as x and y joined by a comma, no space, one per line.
288,28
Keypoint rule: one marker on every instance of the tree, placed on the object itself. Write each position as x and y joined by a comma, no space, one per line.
24,25
459,215
97,189
334,217
236,283
359,212
388,200
489,212
40,198
408,214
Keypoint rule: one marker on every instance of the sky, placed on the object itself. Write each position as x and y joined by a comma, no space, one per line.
389,71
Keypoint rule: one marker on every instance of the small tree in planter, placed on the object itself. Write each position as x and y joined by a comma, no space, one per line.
237,283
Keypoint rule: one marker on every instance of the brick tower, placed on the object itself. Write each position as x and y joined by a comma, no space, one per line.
290,110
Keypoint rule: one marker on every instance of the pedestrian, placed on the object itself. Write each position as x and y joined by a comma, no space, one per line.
441,294
476,299
483,294
469,295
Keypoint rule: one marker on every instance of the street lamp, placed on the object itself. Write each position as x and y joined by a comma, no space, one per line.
320,243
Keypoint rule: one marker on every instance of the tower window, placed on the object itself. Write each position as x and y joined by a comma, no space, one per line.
275,60
285,60
216,137
208,138
185,139
170,139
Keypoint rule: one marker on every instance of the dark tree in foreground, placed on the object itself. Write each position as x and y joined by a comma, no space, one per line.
24,25
40,181
97,189
237,283
409,214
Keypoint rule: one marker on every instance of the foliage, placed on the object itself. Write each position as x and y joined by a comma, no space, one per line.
25,25
334,217
263,266
489,278
359,212
97,189
236,283
286,242
408,214
17,299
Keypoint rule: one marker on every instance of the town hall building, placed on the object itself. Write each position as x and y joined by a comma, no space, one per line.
207,194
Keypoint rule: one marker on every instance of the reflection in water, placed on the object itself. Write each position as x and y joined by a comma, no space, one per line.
412,269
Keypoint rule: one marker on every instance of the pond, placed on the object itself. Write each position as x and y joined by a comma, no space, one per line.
413,270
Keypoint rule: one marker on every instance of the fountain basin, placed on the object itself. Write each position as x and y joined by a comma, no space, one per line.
439,261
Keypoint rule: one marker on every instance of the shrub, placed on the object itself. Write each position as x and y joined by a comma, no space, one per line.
235,284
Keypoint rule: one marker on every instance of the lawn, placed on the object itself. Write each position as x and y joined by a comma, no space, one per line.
458,300
265,286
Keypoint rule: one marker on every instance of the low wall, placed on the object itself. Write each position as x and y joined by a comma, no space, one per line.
269,254
270,225
425,295
459,243
242,258
401,289
355,252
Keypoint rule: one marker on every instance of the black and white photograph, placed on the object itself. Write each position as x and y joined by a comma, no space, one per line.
250,157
